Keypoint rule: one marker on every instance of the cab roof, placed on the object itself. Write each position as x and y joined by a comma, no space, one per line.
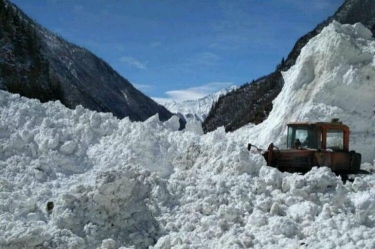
335,122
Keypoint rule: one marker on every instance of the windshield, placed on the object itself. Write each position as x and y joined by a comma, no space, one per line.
301,137
335,139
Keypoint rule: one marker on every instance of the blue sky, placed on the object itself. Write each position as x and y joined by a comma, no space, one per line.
179,49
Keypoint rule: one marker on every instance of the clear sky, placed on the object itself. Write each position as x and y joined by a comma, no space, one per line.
179,49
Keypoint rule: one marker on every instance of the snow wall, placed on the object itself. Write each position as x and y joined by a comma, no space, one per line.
81,179
334,77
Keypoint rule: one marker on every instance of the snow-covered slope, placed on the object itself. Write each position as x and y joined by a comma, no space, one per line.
334,77
81,179
196,109
249,103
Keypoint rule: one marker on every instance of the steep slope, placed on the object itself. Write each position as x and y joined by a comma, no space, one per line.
51,68
196,109
23,68
250,104
332,78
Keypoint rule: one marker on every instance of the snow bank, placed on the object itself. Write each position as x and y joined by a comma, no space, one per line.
81,179
333,78
53,193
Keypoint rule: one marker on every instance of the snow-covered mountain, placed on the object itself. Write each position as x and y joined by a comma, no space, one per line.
332,78
252,103
52,68
81,179
196,109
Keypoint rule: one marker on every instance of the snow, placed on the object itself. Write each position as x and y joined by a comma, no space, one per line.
333,78
195,109
121,184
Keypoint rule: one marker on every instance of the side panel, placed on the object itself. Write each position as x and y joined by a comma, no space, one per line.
341,162
323,158
304,160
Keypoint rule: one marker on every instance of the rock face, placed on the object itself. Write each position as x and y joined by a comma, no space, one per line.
252,102
38,64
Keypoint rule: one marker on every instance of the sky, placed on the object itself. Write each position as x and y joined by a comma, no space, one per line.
181,50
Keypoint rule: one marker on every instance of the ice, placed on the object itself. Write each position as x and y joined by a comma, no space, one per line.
81,179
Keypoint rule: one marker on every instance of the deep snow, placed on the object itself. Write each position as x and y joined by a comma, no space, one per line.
122,184
334,77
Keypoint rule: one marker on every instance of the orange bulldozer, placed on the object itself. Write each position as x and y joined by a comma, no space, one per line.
314,144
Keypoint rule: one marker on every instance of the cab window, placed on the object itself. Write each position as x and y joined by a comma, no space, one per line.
301,137
335,139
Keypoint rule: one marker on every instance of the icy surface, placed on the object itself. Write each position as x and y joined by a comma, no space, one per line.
81,179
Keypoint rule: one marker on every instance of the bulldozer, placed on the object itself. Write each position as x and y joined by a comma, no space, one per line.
314,144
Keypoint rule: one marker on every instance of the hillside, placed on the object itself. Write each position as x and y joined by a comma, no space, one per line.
38,64
252,102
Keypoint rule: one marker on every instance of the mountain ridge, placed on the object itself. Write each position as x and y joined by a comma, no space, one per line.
70,73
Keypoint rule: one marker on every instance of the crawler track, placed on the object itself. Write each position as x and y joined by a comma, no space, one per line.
351,177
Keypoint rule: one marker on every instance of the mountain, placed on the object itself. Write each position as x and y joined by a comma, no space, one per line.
252,102
38,64
196,109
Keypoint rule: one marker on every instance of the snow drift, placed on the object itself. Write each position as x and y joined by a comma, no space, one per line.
81,179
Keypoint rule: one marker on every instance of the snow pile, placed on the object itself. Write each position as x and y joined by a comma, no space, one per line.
224,208
81,179
333,78
52,194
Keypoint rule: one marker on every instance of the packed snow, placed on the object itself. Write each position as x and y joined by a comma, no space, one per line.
81,179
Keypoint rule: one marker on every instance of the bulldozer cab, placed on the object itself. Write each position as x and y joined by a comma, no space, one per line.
320,136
